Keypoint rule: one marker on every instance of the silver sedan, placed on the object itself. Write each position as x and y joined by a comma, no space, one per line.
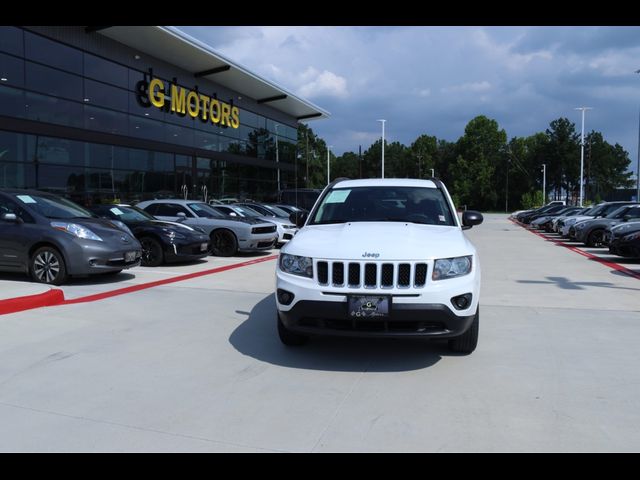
228,236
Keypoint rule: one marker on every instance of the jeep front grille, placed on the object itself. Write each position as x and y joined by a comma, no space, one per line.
371,275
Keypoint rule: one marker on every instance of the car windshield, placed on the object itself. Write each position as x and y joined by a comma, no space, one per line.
129,214
205,211
618,212
246,211
278,212
384,204
52,206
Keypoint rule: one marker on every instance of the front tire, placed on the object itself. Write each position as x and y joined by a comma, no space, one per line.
224,243
595,238
468,341
152,255
47,266
289,338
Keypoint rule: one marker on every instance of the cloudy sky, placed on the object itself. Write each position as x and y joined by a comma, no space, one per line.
434,80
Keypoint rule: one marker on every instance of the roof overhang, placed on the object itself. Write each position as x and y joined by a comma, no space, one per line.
176,47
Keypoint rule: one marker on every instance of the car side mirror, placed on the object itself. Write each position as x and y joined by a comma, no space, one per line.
11,217
626,218
298,218
471,218
182,216
233,214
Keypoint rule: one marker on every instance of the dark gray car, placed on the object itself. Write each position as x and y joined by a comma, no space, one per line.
52,238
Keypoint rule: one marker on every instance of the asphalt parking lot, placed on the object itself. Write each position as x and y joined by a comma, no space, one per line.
197,365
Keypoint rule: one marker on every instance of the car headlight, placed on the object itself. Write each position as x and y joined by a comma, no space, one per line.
444,268
173,235
296,265
76,230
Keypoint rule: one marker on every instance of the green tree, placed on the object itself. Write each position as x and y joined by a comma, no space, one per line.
562,157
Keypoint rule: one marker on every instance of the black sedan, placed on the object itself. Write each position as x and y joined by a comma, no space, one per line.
161,241
52,238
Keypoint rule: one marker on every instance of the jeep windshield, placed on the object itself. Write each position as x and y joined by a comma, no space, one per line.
384,204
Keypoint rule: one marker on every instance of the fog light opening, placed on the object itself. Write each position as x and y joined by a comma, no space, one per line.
462,302
285,297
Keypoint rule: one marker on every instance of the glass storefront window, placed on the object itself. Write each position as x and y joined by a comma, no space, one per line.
53,110
146,128
175,134
49,52
12,102
11,70
105,70
53,82
11,147
97,93
57,151
104,120
11,40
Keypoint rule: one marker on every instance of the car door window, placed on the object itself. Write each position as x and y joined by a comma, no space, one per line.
170,210
7,206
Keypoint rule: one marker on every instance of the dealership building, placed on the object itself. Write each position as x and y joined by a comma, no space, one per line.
103,114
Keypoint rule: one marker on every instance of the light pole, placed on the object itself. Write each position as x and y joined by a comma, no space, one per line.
328,164
582,151
638,166
544,184
382,120
277,161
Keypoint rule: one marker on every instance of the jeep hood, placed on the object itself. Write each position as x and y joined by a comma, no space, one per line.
389,240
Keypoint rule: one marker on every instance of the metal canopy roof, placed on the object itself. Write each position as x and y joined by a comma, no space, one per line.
178,48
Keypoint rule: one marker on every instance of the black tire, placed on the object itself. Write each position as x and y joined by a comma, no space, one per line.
224,243
47,266
468,341
594,239
289,338
152,253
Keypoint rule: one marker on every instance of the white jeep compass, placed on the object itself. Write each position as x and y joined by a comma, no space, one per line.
381,258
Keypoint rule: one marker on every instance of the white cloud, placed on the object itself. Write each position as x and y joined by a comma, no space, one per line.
467,87
323,83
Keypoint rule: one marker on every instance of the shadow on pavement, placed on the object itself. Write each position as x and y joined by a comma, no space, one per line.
99,279
257,337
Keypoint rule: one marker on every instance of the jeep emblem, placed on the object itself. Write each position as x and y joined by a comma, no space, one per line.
370,255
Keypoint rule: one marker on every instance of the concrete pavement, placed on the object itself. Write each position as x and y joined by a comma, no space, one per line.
197,366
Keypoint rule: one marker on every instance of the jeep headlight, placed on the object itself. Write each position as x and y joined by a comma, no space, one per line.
296,265
444,268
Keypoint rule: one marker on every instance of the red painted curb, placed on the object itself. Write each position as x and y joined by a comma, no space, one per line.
590,256
18,304
181,278
56,297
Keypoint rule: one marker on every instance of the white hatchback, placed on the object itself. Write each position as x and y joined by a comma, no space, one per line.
381,258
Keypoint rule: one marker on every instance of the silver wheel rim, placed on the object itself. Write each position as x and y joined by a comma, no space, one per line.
46,267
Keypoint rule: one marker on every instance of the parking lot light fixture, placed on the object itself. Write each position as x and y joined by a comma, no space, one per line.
582,151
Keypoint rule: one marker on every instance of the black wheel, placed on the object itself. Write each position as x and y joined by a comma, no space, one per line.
595,238
47,266
468,341
152,254
289,338
224,243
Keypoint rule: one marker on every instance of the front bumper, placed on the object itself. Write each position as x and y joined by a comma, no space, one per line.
180,252
89,257
258,242
405,320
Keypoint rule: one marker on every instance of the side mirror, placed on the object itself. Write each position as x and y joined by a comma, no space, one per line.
11,217
182,216
233,214
471,218
298,218
626,218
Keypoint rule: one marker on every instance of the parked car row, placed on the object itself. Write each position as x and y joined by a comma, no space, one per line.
52,238
612,225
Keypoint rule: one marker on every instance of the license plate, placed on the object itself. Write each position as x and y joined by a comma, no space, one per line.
368,306
204,247
129,256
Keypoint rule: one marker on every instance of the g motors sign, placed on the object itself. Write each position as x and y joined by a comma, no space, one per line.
182,101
